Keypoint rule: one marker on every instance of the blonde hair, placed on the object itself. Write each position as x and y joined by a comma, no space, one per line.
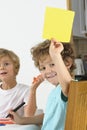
14,58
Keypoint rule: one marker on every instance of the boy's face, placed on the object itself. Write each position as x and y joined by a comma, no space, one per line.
48,70
6,69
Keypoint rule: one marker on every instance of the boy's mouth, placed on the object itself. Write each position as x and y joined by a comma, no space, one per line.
51,75
3,73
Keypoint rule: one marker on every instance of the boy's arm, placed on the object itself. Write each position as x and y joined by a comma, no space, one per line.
37,120
64,76
31,107
26,120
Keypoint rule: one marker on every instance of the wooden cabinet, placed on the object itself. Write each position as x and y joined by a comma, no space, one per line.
76,118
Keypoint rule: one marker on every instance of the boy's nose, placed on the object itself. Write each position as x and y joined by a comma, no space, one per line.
48,69
1,66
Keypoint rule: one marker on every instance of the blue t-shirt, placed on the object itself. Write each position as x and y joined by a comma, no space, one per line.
54,118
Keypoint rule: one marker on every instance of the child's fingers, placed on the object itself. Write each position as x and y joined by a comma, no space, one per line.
11,115
34,80
55,43
38,78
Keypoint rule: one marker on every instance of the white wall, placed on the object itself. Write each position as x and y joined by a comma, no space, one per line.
21,26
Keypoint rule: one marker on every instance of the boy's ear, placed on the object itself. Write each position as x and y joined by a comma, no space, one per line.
68,62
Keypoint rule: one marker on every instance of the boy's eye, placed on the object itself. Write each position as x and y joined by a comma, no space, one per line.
52,64
42,68
6,64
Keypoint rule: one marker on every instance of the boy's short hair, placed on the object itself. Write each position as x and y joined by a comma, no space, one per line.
14,58
42,49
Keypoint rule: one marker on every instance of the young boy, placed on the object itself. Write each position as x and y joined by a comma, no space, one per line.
54,60
12,93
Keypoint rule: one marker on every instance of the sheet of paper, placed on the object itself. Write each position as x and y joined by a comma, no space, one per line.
58,24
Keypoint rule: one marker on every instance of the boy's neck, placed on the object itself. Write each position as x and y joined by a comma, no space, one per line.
6,86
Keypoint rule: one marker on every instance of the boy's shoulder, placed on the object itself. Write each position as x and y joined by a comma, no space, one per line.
22,86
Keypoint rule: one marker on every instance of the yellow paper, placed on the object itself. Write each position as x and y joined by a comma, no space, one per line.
58,24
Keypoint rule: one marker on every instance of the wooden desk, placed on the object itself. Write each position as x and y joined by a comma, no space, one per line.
76,118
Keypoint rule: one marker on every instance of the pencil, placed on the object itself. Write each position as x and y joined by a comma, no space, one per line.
18,107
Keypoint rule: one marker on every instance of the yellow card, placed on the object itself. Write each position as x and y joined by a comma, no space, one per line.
58,24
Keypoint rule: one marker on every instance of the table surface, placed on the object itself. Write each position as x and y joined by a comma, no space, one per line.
21,127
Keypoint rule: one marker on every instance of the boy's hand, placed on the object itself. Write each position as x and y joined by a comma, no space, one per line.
15,117
55,48
37,81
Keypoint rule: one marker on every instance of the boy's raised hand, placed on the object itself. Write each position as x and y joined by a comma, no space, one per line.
55,48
